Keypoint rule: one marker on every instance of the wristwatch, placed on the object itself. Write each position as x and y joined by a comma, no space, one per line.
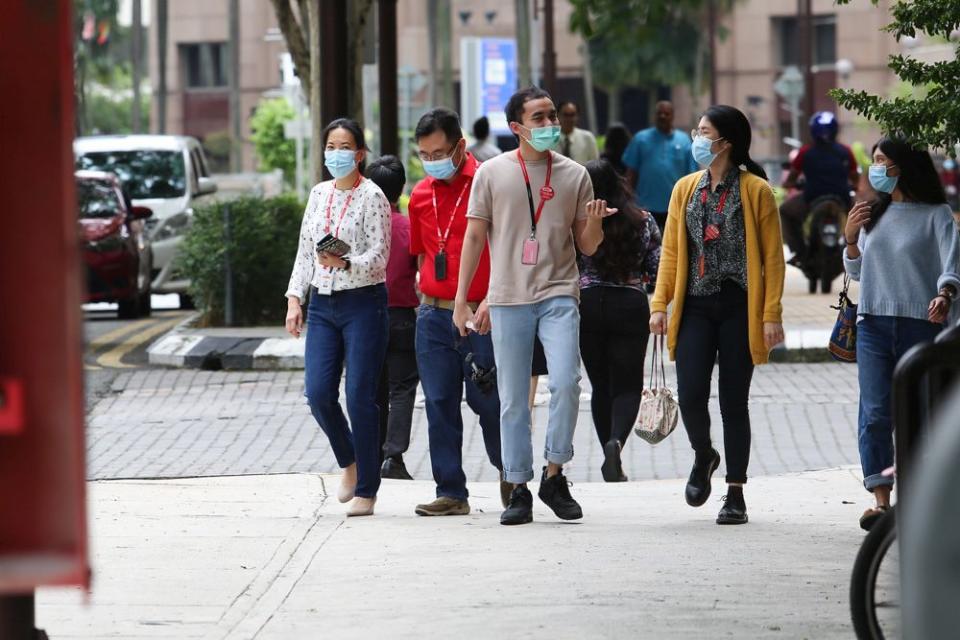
949,293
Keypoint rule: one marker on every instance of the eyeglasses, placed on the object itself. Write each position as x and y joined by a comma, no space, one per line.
427,157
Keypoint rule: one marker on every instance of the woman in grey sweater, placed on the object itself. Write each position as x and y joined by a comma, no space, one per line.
904,249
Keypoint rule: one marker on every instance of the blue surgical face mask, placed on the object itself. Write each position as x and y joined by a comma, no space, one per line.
701,150
879,179
340,162
440,169
544,138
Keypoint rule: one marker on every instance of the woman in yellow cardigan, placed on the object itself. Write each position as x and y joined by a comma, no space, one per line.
722,268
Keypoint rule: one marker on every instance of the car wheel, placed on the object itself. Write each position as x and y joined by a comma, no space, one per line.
129,309
186,302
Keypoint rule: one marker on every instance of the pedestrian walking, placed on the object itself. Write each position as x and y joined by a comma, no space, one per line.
533,290
904,250
722,268
615,315
655,159
449,364
342,260
575,143
614,144
399,380
482,149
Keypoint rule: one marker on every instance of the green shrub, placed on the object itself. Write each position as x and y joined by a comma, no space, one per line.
275,151
264,235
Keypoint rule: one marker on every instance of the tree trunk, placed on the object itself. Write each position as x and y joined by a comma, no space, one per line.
613,104
590,103
444,50
236,136
136,43
522,13
358,17
432,9
297,36
313,81
162,37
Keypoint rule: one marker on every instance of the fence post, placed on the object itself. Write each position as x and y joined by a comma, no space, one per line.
227,268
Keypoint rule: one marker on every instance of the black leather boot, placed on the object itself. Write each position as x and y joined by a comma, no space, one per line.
698,486
734,509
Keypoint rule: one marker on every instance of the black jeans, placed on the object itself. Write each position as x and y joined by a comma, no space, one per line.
398,384
614,329
714,326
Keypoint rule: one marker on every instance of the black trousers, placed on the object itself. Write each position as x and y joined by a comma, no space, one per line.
714,329
398,384
614,329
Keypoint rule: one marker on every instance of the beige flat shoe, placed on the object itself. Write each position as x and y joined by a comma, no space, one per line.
361,507
345,492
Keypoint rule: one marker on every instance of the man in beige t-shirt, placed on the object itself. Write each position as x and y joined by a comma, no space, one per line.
536,208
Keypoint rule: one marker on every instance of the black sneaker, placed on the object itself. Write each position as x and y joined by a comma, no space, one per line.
556,494
394,469
734,510
520,509
698,486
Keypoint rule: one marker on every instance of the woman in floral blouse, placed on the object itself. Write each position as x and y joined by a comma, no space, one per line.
722,269
347,317
614,313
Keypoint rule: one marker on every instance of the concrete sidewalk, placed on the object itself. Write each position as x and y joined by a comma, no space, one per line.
807,318
273,557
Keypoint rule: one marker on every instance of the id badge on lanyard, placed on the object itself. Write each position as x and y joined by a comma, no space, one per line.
325,282
531,246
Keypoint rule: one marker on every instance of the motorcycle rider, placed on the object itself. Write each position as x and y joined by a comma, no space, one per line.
828,168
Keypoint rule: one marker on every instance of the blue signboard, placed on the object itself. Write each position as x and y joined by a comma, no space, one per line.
498,80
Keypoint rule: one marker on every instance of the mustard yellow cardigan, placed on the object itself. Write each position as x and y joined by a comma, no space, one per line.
765,266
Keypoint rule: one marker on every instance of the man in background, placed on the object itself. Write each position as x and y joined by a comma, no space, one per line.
575,143
483,149
655,159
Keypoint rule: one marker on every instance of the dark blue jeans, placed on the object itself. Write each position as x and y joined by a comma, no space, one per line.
881,342
348,328
441,360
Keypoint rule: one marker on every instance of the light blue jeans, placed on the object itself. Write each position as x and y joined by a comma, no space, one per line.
557,322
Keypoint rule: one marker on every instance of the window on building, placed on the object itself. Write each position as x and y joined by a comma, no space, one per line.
787,39
205,64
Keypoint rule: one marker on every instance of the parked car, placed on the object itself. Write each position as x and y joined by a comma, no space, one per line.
115,249
169,175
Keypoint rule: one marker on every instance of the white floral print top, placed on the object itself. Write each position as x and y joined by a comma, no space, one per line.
365,227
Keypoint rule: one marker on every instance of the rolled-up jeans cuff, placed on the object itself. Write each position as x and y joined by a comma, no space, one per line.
518,477
877,480
558,458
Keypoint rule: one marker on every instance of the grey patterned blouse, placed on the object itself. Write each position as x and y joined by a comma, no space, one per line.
726,256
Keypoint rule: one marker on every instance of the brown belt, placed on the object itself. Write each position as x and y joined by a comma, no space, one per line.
441,303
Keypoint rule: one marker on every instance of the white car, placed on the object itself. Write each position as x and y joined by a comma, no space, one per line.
167,174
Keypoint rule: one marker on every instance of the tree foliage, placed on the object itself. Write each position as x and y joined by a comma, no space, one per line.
930,117
273,149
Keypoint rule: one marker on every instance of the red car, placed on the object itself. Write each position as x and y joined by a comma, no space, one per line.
115,247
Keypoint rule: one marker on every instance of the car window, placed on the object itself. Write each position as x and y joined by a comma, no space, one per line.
97,199
144,173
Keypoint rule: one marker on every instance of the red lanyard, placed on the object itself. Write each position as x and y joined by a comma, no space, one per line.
723,199
346,204
546,191
453,215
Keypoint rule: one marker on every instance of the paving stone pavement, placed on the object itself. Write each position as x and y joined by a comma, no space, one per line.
167,423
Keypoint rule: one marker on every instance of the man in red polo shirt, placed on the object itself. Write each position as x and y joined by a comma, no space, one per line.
449,363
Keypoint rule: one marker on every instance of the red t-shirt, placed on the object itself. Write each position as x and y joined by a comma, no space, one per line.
426,229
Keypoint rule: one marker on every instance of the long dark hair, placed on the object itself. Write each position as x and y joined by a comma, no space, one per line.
617,141
621,254
918,180
734,127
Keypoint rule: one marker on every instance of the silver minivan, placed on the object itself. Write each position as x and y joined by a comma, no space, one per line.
167,174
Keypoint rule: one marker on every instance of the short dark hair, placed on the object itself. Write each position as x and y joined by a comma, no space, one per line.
514,108
387,173
439,119
568,102
481,128
350,125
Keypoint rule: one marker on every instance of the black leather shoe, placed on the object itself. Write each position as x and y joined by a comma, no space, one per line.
734,510
698,486
612,467
520,509
394,469
556,494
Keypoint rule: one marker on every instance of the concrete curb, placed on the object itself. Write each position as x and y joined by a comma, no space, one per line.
198,349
